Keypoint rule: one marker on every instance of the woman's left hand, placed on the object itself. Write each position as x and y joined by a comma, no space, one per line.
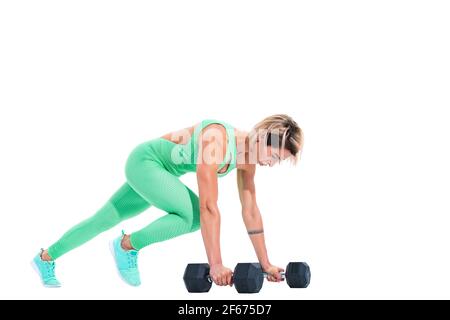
273,273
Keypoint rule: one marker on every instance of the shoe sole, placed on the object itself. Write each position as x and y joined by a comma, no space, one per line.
35,268
111,249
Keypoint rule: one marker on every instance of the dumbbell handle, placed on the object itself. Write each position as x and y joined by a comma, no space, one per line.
265,274
283,275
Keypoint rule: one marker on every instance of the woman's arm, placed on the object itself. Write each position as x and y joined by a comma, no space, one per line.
209,212
207,168
253,220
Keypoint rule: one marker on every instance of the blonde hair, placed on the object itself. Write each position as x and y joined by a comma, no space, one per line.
280,127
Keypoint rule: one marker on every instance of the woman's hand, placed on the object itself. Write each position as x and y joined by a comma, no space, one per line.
273,273
221,275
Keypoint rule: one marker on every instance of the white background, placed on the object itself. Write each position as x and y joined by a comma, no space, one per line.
82,83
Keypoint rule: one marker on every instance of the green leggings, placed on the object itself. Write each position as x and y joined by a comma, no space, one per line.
148,183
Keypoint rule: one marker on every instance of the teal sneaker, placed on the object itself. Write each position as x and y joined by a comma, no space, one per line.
126,262
46,271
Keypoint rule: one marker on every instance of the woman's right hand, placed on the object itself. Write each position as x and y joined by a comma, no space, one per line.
222,276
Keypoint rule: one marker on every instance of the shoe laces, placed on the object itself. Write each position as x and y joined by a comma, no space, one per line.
132,259
50,269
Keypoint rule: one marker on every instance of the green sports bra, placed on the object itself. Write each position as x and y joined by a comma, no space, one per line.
181,158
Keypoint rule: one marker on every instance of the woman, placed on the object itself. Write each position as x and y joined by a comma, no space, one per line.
211,149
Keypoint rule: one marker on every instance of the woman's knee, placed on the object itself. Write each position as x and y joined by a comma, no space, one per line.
128,202
195,226
190,220
194,211
187,219
105,218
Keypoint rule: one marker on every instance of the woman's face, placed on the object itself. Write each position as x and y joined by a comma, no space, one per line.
268,155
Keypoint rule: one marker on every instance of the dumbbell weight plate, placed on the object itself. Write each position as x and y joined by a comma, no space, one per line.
298,274
248,277
196,277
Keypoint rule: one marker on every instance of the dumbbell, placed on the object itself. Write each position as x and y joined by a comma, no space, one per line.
247,277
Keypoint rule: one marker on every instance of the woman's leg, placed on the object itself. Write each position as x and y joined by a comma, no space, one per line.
123,204
165,191
150,179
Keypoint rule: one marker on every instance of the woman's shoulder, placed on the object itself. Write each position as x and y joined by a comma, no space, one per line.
212,121
208,128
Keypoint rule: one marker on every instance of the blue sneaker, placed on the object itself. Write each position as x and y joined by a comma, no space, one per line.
126,262
46,271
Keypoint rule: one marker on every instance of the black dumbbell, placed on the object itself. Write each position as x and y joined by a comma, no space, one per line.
196,277
247,277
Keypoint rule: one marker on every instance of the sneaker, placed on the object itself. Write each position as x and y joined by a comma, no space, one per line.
46,271
126,262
